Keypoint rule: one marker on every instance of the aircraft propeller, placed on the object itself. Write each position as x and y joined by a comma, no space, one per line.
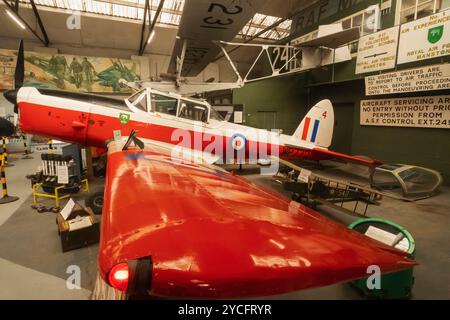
11,95
6,127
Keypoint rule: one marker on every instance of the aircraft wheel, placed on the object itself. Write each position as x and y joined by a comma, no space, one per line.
95,202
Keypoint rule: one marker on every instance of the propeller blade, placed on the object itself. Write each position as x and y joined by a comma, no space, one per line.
19,75
20,68
6,128
11,96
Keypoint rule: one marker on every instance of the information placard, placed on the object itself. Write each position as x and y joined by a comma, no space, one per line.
434,77
425,38
377,51
63,174
422,112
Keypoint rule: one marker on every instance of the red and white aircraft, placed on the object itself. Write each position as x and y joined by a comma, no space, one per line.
169,119
177,227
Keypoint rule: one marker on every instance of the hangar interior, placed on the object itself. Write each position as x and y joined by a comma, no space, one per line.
378,69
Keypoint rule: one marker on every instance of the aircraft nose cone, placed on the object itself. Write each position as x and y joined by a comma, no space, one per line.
11,96
6,128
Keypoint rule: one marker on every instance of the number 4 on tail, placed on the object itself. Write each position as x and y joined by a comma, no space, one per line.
324,114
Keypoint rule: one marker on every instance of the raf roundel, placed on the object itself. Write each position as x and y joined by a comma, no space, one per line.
238,141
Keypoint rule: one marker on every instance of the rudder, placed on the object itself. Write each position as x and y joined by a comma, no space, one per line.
318,125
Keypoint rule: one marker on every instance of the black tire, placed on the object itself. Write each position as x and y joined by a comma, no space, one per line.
95,202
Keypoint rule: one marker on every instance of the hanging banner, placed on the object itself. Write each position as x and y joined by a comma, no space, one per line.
421,112
377,51
435,77
425,38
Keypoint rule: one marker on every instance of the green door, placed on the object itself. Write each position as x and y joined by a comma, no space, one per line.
343,127
267,120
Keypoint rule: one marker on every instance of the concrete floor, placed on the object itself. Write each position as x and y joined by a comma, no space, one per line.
30,256
33,266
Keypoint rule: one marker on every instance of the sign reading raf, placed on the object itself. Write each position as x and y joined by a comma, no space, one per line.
314,14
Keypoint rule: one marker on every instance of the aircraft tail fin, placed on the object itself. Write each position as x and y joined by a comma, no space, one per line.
318,124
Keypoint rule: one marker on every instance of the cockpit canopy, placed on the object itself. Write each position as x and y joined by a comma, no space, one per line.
172,104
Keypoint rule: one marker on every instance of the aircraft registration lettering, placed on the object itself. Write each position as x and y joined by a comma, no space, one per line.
217,23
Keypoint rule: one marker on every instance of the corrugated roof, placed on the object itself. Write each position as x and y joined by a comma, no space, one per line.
170,14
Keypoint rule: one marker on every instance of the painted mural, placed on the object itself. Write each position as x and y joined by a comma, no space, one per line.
69,72
7,66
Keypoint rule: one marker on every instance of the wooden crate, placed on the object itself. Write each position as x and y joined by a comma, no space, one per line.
79,238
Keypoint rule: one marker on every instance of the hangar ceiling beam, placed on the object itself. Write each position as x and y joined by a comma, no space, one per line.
17,15
139,6
144,21
41,25
152,27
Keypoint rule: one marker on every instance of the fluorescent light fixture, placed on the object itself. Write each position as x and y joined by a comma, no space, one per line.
14,17
151,36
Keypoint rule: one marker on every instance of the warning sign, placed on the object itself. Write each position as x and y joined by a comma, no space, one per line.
422,112
435,77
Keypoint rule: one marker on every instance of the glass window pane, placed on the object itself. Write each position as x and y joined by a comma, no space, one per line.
408,4
142,104
407,15
346,24
425,9
215,115
357,20
164,104
134,96
193,111
353,47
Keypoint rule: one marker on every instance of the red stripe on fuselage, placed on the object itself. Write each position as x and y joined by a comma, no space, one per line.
57,123
305,128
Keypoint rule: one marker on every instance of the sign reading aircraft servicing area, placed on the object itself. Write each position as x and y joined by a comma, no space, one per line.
434,77
425,38
422,112
377,51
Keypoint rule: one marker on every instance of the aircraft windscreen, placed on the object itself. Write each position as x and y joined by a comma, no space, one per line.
134,96
213,114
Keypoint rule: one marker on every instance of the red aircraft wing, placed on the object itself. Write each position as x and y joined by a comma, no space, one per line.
211,234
